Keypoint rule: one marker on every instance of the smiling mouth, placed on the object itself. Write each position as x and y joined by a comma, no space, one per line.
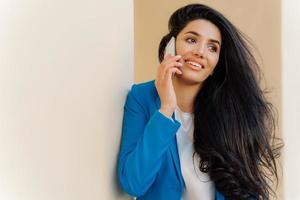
195,65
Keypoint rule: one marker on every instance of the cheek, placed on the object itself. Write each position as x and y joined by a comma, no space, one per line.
183,48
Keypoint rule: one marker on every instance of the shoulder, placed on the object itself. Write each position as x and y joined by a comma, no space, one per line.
143,95
149,85
144,90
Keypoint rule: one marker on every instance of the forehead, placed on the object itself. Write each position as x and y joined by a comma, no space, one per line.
204,28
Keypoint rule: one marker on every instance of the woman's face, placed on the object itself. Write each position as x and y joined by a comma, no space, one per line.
199,43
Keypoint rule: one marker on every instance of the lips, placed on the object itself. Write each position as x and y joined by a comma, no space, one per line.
196,65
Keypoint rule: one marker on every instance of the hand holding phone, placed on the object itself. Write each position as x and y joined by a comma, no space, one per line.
163,82
171,49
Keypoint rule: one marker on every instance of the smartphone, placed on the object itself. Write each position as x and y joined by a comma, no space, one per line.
170,48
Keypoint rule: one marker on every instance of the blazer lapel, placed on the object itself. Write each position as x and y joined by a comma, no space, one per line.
175,156
174,150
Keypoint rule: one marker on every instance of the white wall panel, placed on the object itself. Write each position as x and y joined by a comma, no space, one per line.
65,69
291,97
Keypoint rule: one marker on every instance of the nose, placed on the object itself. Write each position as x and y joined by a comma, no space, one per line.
199,50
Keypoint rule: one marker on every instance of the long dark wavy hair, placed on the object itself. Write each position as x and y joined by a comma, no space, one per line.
234,124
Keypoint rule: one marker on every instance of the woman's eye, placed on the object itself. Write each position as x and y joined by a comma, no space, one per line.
212,48
191,40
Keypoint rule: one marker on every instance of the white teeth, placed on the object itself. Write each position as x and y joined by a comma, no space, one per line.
194,63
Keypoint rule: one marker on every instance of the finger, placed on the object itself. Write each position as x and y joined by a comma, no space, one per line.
166,56
170,71
170,59
170,65
173,58
174,64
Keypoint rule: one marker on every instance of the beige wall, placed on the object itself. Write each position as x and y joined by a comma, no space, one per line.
65,69
260,20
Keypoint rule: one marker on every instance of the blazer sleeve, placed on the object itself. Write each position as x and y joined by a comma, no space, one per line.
143,143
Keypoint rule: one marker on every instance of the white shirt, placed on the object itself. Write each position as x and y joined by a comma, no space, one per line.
198,185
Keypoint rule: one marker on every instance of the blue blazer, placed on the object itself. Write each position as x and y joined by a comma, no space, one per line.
148,162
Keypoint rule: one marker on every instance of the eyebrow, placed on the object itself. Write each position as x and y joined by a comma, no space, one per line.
197,34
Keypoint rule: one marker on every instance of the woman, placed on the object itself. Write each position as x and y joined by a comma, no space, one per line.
203,128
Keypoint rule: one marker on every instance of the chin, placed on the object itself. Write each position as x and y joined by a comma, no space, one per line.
190,80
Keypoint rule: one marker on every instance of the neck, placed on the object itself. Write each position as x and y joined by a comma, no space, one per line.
185,94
